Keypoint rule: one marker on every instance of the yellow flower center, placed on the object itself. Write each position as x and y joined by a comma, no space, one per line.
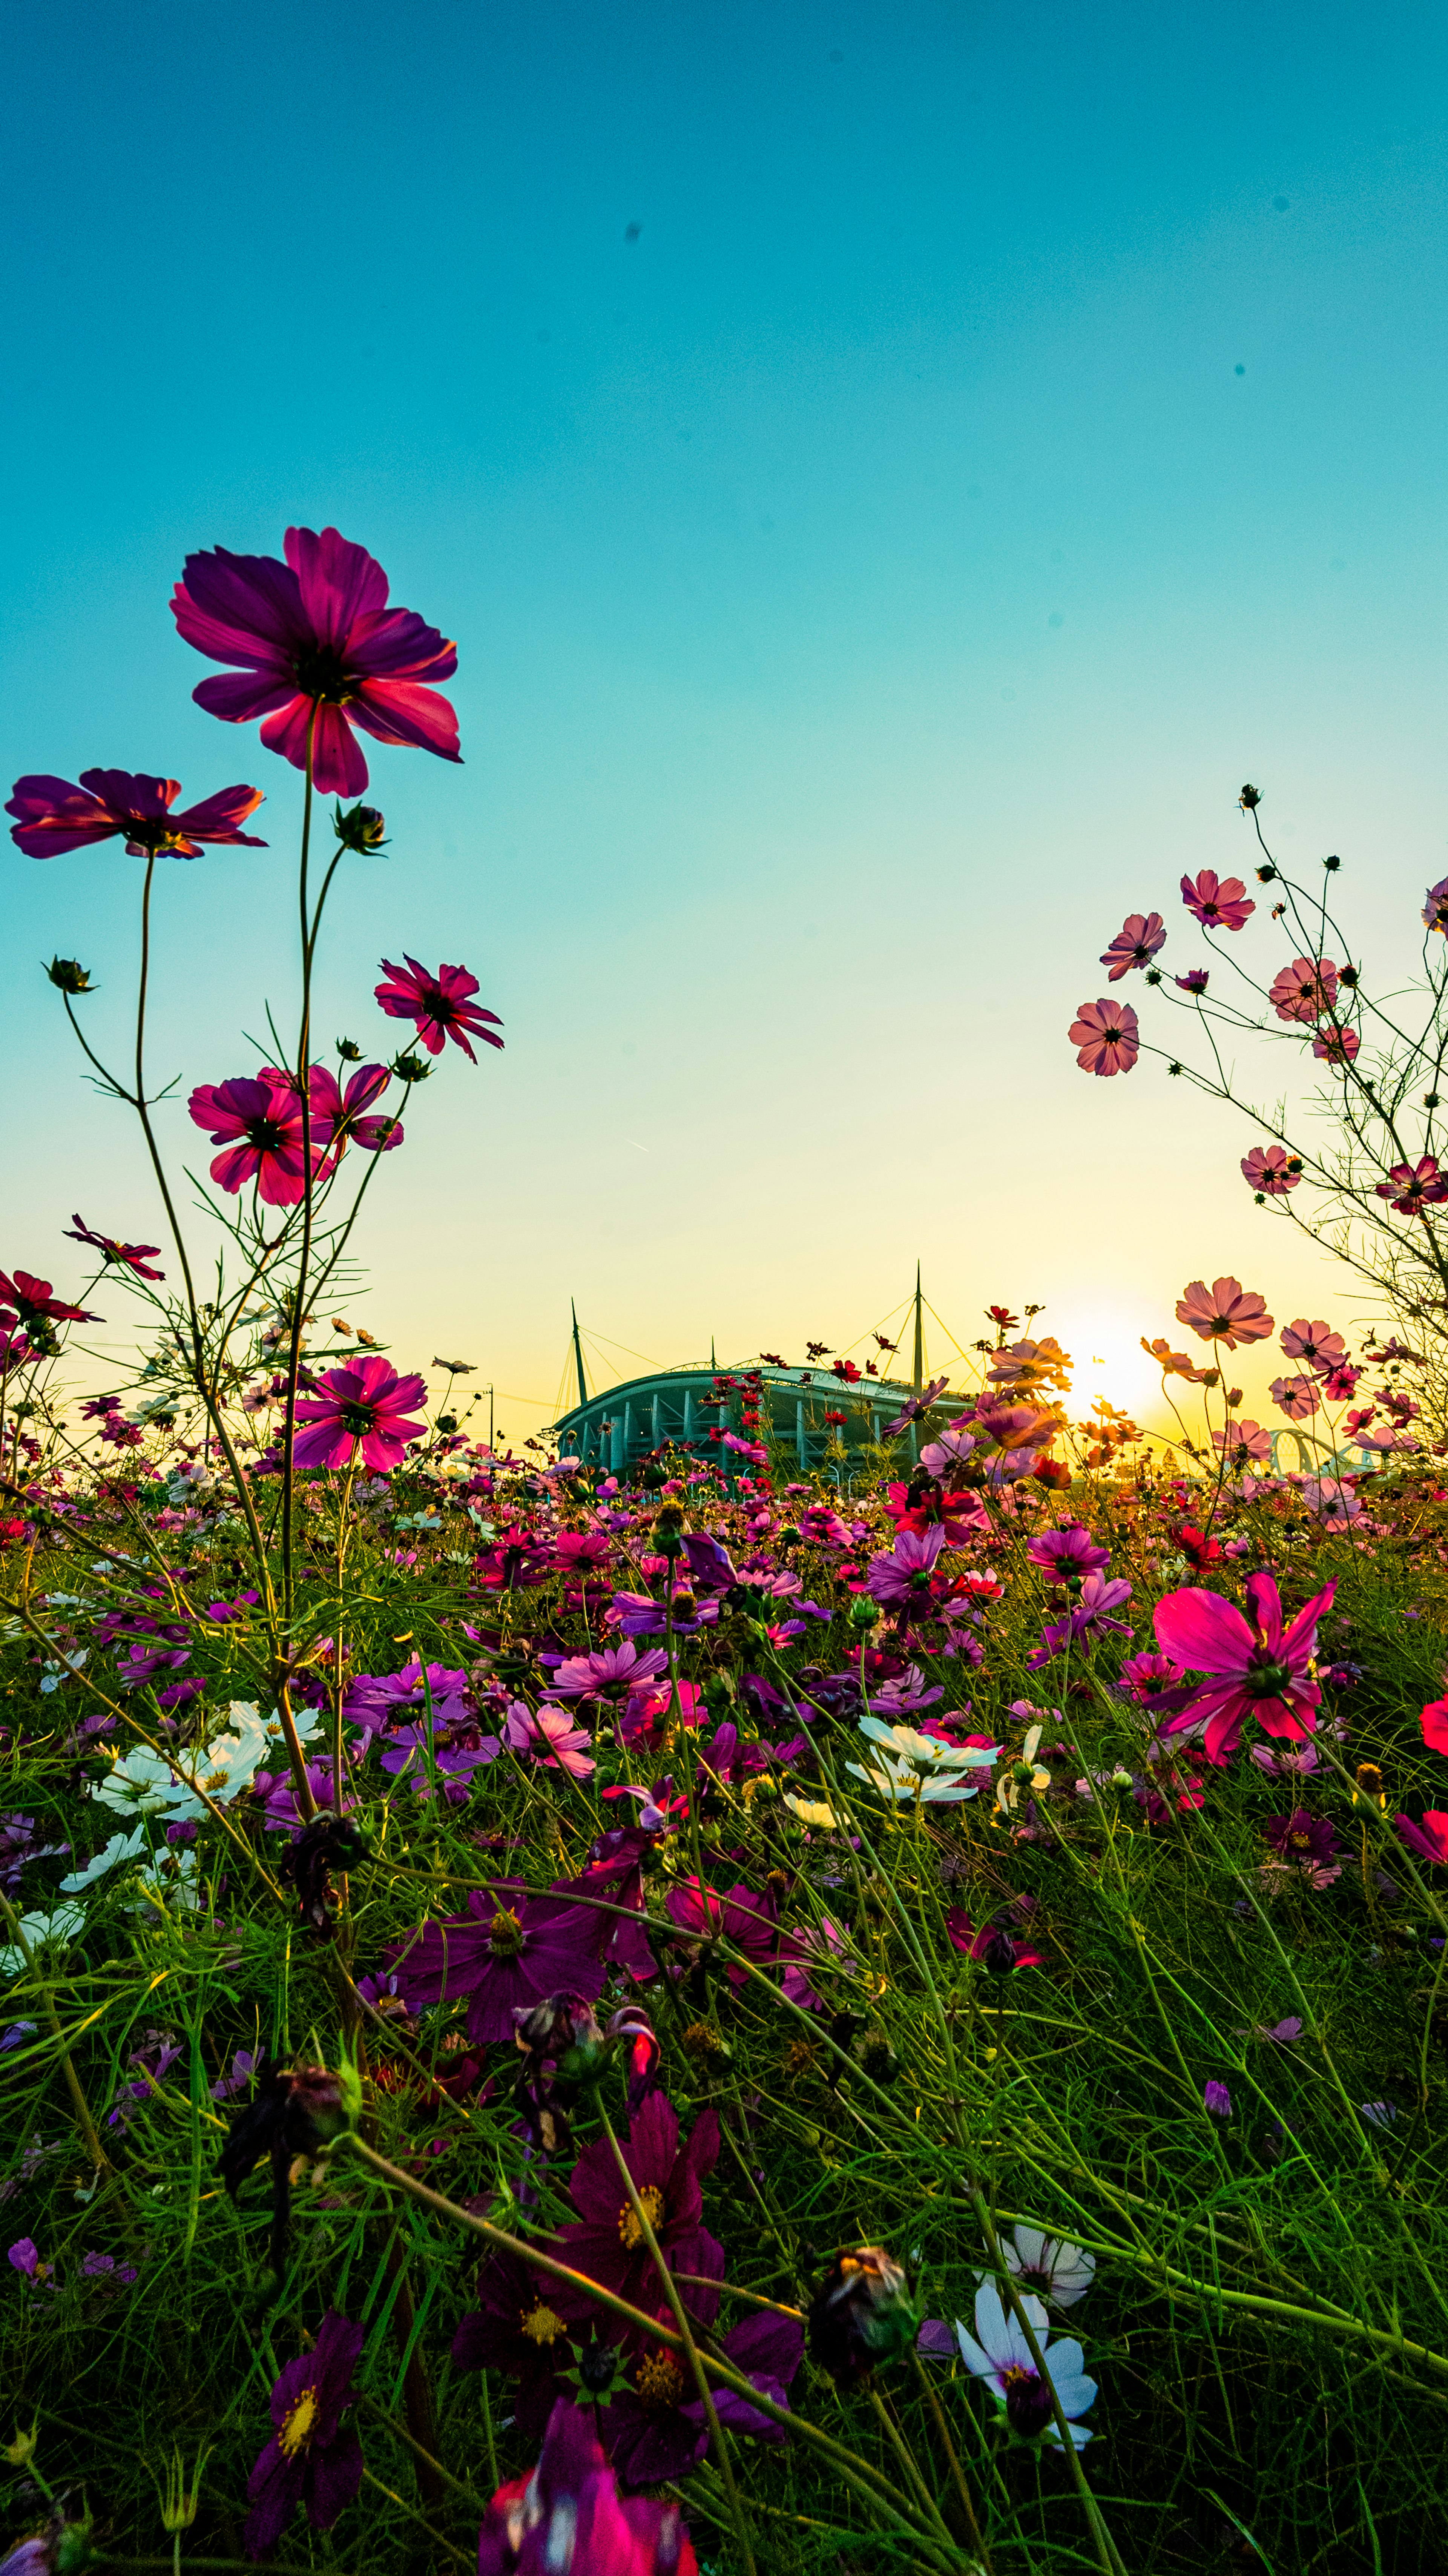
540,2325
297,2428
651,2201
505,1936
659,2380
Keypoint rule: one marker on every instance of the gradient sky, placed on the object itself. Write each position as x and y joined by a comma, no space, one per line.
892,473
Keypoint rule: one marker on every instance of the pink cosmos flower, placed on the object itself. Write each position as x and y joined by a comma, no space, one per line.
54,816
1272,1170
549,1736
1229,1314
364,1400
1435,909
1195,980
33,1303
1314,1342
124,1256
1412,1187
316,633
1258,1668
1336,1046
1105,1033
1297,1397
440,1005
1244,1442
1141,937
903,1577
1305,989
1216,901
1429,1836
257,1120
342,1112
1330,1500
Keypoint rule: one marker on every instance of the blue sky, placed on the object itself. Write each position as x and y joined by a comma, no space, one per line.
891,473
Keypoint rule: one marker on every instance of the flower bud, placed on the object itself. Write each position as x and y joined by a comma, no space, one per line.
21,2451
361,828
1267,875
349,1051
668,1531
861,2314
410,1068
864,1613
1332,866
1249,797
69,976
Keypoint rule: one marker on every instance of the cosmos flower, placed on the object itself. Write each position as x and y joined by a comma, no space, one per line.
441,1005
609,1672
343,1113
1272,1170
1336,1046
1435,907
515,2328
999,2354
568,2519
549,1736
606,2242
903,1577
1316,1343
1306,1843
1141,937
1297,1397
1176,1363
1258,1667
1412,1187
54,816
363,1401
1195,980
34,1305
1106,1037
1428,1837
311,2457
1228,1313
1050,2267
1246,1445
315,636
1065,1555
257,1120
125,1256
507,1951
1216,902
656,2428
1305,989
1329,1499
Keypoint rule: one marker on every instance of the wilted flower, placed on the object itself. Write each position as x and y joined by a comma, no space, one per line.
69,976
861,2315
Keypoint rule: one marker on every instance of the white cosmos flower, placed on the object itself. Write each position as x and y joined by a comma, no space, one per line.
999,2354
1050,2265
62,1923
120,1847
927,1752
900,1783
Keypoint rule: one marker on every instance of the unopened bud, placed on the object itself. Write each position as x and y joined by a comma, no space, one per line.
361,828
864,1613
349,1051
411,1068
862,2314
1249,797
69,976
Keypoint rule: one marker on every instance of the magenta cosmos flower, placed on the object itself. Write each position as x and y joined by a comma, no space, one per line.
507,1951
606,2241
1272,1170
309,2456
1305,989
1141,937
1336,1046
33,1303
365,1400
440,1004
568,2518
1258,1668
1412,1187
1216,901
342,1113
54,816
124,1256
257,1120
1106,1035
315,634
1227,1313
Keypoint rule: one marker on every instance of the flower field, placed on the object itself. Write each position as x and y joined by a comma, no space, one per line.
700,2019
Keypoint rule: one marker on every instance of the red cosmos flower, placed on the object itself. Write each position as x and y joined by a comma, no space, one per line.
569,2515
54,816
1105,1033
1216,901
364,1400
1434,1723
1305,989
1257,1667
1412,1187
1141,937
1272,1170
342,1111
127,1256
257,1119
439,1003
1230,1313
34,1304
316,633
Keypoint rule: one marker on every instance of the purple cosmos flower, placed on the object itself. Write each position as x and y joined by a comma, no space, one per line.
314,637
547,1736
608,1673
1066,1555
342,1113
441,1005
1217,2100
310,2458
515,2328
54,816
507,1952
902,1579
1307,1840
20,1844
656,2429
